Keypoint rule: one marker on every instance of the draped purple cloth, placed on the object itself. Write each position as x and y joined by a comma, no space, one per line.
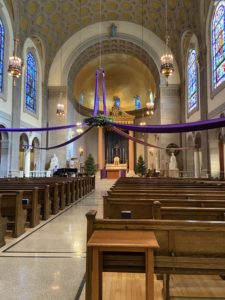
135,140
104,93
67,142
30,129
174,128
96,100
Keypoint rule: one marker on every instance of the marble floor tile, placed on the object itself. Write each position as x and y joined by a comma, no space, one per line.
48,262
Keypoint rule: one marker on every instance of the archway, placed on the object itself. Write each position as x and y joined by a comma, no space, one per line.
4,151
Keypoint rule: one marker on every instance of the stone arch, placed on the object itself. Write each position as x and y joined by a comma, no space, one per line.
108,47
128,31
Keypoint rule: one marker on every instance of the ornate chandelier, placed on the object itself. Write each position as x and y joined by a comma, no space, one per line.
15,62
167,67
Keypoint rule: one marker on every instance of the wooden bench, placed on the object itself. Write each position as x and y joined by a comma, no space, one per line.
30,203
186,247
12,209
148,208
43,195
3,225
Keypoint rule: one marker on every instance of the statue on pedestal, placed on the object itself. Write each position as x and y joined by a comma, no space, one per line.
173,162
173,170
54,164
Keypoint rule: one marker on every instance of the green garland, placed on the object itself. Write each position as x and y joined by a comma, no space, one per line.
100,120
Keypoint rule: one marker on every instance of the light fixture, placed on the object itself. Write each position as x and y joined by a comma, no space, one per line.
150,105
60,110
79,129
15,62
167,67
142,123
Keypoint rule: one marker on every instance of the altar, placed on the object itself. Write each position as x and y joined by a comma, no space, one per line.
115,170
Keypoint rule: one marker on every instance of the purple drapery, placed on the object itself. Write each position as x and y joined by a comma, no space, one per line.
174,128
67,142
40,129
135,140
96,101
104,93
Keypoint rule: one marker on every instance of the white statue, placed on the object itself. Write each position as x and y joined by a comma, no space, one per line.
173,162
54,164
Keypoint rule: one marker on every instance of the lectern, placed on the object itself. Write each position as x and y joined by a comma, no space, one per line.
116,241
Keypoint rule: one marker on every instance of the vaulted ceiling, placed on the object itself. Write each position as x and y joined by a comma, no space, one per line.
56,20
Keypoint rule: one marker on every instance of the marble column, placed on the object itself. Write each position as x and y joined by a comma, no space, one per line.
131,154
197,163
27,162
16,115
169,114
57,94
101,149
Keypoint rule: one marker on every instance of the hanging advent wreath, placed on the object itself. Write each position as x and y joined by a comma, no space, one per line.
171,148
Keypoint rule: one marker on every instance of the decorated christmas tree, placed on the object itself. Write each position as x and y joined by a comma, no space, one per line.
89,165
140,166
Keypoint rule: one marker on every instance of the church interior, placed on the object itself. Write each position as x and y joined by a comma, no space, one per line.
112,118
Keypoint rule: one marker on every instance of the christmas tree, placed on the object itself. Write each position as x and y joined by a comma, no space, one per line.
89,165
140,166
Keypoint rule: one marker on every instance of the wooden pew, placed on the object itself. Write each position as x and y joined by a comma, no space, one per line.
12,209
186,247
30,203
146,208
3,225
43,194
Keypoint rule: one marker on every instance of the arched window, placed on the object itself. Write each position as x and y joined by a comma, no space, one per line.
192,81
31,83
2,49
218,45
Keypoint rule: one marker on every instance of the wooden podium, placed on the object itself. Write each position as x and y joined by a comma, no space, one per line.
116,241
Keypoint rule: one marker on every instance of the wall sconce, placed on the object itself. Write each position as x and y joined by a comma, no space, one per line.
81,151
79,129
60,110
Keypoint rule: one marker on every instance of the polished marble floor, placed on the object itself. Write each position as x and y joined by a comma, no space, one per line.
48,262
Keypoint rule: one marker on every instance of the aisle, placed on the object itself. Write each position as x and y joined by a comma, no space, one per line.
49,263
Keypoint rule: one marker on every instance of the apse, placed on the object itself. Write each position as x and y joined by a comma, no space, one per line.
128,82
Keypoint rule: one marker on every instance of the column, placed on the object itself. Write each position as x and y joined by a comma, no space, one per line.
197,163
27,162
57,94
101,149
131,154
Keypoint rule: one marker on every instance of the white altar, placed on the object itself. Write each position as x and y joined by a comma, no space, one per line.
113,170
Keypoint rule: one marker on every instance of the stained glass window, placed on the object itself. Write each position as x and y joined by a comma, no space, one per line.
218,45
137,101
31,83
2,48
192,81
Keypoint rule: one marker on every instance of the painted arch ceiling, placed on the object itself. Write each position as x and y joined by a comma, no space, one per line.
54,21
42,17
